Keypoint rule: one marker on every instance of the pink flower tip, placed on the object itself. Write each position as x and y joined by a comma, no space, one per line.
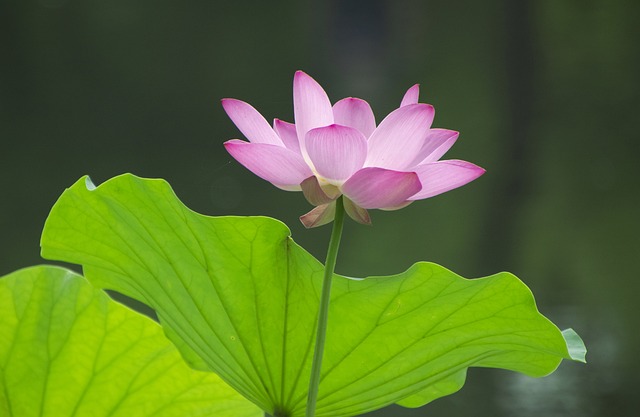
300,73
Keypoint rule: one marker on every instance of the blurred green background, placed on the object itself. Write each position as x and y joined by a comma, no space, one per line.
545,95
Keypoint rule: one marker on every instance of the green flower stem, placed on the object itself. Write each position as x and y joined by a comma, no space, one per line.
323,311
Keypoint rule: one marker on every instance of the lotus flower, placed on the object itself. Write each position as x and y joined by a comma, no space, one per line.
338,150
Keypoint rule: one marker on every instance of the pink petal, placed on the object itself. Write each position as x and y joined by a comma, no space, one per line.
436,144
372,188
355,113
336,151
287,133
396,142
250,122
311,106
411,96
441,176
319,216
283,168
397,207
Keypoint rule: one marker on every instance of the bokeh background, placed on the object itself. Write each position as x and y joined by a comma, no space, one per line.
545,95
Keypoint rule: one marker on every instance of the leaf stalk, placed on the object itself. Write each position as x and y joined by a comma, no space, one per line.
323,310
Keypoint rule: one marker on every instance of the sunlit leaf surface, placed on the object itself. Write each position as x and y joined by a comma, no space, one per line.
67,349
239,297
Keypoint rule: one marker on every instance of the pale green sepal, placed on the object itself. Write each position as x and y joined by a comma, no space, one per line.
575,345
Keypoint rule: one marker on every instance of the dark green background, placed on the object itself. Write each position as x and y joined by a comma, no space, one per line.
544,93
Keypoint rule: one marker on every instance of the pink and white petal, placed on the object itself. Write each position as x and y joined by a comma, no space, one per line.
436,144
250,122
441,176
356,212
411,96
336,151
444,138
315,194
311,106
372,188
397,207
355,113
287,133
398,139
319,216
280,166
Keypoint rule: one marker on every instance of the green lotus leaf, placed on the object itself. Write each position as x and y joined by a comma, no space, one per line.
239,297
67,349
